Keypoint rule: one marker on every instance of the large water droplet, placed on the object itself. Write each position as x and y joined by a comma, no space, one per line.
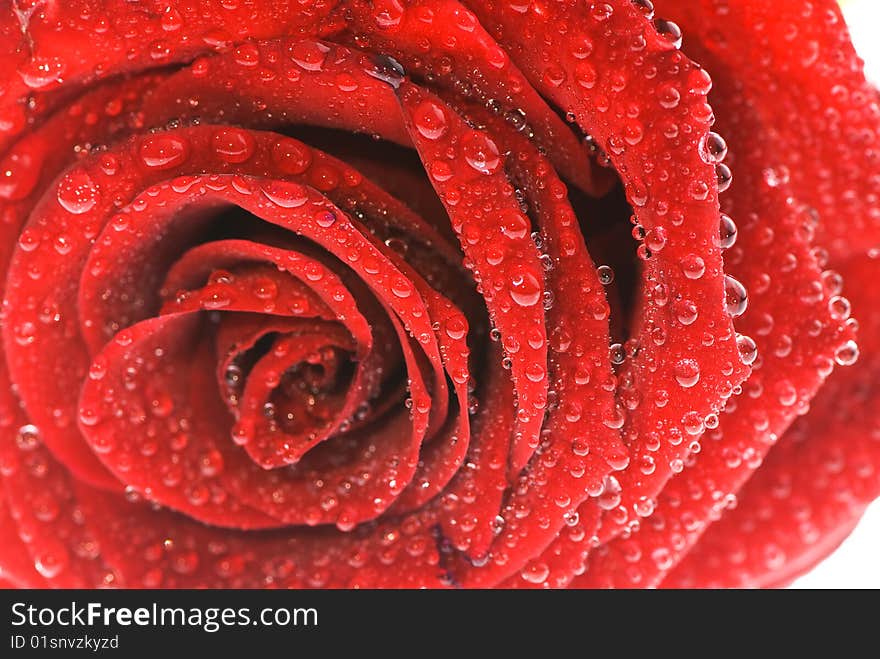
735,297
839,307
480,152
164,151
39,72
292,157
308,55
748,349
687,372
727,232
713,148
693,266
847,354
233,145
535,572
19,174
429,120
606,274
456,328
77,192
669,31
724,176
388,70
525,288
51,563
285,194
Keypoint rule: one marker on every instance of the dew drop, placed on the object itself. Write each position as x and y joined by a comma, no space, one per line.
309,55
525,288
429,120
580,446
776,176
171,20
388,13
724,176
585,74
77,192
456,328
233,145
727,232
292,157
685,311
693,266
535,372
713,148
388,70
19,174
736,297
693,423
847,354
39,72
480,152
28,437
535,572
164,151
646,7
748,349
839,307
610,496
514,225
401,287
669,31
644,507
51,563
699,190
284,193
325,218
687,372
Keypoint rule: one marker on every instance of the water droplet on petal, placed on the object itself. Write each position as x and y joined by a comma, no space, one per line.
233,145
291,156
285,194
77,192
19,174
693,266
39,72
480,152
748,349
839,307
687,372
713,148
430,120
847,354
606,274
456,328
535,572
164,151
308,55
669,31
727,232
51,563
525,288
735,296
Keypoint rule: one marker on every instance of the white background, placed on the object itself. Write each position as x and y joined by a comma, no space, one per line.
856,564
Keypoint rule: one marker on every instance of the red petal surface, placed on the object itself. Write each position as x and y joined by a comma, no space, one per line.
814,485
373,348
821,127
647,108
794,327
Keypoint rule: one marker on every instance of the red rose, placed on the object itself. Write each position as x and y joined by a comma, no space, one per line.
337,293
